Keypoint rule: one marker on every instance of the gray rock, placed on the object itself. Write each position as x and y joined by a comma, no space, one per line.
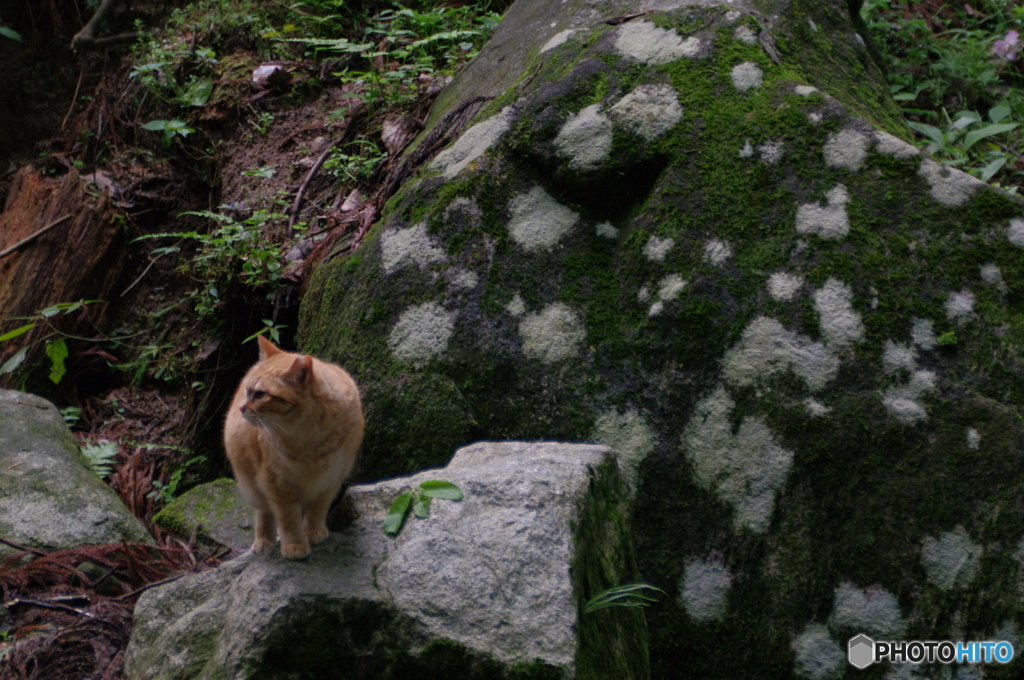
484,587
214,511
754,394
49,497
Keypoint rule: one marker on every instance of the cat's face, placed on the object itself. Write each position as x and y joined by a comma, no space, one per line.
276,387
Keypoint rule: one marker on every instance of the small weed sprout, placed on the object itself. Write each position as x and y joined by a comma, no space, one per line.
419,500
628,595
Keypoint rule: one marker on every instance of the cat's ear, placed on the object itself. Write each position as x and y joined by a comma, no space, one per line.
267,348
301,371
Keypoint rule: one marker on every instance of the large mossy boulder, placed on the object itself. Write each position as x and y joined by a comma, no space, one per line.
488,587
700,236
49,497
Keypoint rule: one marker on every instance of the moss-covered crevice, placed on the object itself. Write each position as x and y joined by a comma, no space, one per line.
612,641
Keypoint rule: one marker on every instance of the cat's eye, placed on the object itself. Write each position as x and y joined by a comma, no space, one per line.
258,394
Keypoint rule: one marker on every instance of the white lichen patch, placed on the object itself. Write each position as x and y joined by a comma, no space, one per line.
465,208
814,117
896,356
783,287
903,401
670,287
704,589
461,278
744,469
973,439
473,143
644,294
553,334
631,438
649,110
516,307
960,306
717,251
771,151
657,248
746,151
839,322
557,39
873,611
538,221
586,138
846,149
827,221
952,560
410,246
922,332
815,408
421,334
1015,232
806,90
747,76
649,44
606,230
817,655
745,34
766,349
991,274
949,186
888,145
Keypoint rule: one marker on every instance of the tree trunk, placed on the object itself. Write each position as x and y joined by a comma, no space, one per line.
79,258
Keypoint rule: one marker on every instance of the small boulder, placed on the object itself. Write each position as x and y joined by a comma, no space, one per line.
49,497
214,511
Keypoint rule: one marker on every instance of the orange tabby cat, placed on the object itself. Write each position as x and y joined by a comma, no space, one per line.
291,435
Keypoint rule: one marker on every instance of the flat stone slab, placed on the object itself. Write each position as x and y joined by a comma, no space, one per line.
497,576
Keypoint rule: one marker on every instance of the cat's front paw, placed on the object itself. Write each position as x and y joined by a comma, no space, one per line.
295,551
318,535
260,545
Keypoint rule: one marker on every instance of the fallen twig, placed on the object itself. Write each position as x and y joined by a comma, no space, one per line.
29,239
22,547
48,605
297,204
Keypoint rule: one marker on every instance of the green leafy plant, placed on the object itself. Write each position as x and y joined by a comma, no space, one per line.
265,172
418,500
56,349
100,456
234,252
269,328
960,143
946,65
165,492
628,595
170,129
71,415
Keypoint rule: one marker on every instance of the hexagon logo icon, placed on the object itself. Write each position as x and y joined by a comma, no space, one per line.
861,652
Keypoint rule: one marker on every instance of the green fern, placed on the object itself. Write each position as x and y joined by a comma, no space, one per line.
100,456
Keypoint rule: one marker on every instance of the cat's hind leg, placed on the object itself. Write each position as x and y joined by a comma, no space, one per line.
314,518
294,544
